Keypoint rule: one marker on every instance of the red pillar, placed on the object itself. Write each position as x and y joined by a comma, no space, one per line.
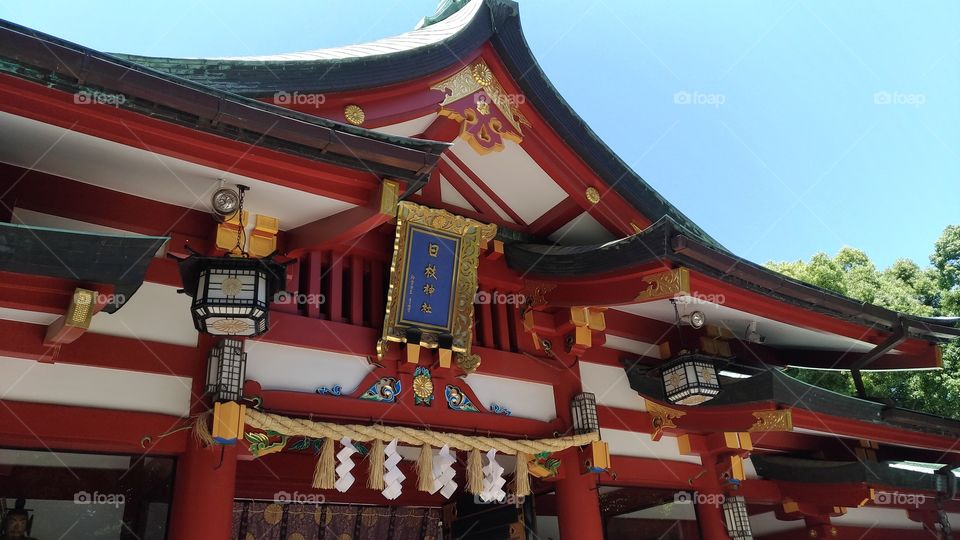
203,493
578,501
710,517
709,503
819,526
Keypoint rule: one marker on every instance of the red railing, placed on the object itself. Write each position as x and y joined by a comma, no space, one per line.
349,288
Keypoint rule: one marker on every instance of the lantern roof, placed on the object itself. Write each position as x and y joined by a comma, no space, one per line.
815,471
774,386
102,258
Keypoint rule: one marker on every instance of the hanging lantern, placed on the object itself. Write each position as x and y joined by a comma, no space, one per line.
231,294
226,370
584,410
737,519
690,379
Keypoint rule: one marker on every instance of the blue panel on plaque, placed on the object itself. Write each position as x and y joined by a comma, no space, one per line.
430,279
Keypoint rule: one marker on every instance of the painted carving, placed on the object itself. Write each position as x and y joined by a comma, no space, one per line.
778,420
459,401
263,444
385,390
487,113
666,284
422,387
335,390
662,418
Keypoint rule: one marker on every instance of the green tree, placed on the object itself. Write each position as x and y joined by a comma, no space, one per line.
905,287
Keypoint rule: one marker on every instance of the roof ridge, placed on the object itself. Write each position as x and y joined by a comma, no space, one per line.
444,9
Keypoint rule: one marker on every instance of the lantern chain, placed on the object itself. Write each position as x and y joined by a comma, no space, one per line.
241,240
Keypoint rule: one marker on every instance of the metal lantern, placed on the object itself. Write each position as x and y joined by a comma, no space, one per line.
226,370
231,294
737,519
690,379
584,410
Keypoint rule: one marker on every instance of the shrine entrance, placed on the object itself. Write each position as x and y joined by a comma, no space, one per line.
641,513
268,520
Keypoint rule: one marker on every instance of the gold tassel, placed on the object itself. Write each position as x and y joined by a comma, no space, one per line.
323,474
201,429
521,477
425,469
375,466
474,472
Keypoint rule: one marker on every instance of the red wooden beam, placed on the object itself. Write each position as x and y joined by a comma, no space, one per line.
630,326
468,192
485,188
297,331
35,293
437,417
58,196
737,418
654,473
58,108
880,433
24,340
86,429
556,217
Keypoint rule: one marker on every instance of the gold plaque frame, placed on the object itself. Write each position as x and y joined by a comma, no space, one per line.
473,236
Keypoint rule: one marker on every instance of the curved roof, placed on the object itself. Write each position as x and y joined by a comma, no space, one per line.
666,240
423,36
48,60
458,29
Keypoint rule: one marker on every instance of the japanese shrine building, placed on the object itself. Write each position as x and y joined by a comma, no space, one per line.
401,290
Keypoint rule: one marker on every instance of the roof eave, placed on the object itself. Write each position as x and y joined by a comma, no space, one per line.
667,241
42,58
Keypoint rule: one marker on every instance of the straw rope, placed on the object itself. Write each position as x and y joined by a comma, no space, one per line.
410,436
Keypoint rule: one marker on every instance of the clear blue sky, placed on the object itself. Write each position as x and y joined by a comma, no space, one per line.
783,128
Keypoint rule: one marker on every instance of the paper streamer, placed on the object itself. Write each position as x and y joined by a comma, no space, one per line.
393,477
443,472
493,480
344,478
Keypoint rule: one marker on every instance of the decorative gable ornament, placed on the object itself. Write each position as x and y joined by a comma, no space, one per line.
487,113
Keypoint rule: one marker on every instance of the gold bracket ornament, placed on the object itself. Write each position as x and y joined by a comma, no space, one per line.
433,281
666,284
662,418
778,420
487,113
586,321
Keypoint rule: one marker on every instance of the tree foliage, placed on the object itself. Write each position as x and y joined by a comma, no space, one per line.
906,287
